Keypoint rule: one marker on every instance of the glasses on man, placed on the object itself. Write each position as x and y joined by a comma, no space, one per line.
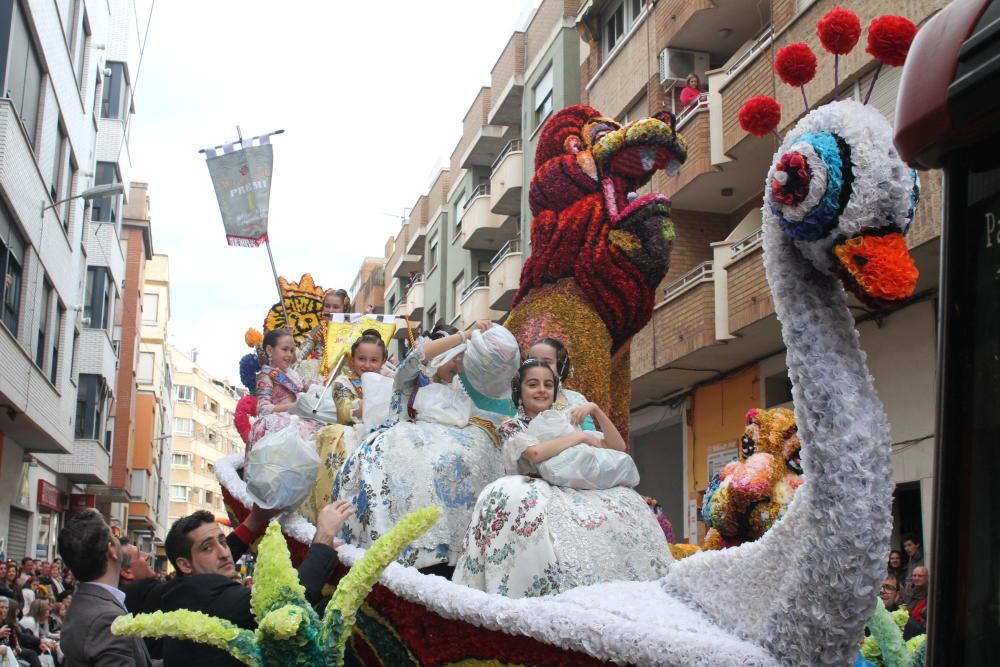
888,588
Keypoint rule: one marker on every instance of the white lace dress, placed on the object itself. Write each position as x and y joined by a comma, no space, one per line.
530,538
439,458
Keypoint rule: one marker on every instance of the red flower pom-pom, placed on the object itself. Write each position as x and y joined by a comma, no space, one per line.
796,64
889,39
759,115
839,30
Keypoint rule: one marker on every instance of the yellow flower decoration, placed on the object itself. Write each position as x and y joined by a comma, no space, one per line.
289,632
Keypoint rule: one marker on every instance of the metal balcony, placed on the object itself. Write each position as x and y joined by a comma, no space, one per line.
505,275
507,180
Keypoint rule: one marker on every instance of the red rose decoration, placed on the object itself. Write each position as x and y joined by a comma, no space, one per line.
796,64
889,39
760,115
839,30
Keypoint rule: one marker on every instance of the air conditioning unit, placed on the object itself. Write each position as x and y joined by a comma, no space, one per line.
676,64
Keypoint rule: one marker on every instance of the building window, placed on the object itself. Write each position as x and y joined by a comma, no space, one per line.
104,209
619,20
181,460
24,74
56,341
11,262
56,182
144,369
543,98
150,308
82,36
97,298
114,95
456,288
91,396
43,322
432,256
69,172
210,499
179,492
185,394
183,426
431,317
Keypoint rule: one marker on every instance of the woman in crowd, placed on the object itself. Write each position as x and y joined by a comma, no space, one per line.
531,538
897,564
25,646
36,623
431,451
278,385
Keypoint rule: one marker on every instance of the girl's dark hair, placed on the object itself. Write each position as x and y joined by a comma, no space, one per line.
563,365
272,337
370,336
442,330
526,365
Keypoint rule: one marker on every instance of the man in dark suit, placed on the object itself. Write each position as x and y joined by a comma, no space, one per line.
94,555
207,582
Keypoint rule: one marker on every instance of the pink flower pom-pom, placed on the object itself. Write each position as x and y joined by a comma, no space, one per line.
889,39
839,30
796,64
760,115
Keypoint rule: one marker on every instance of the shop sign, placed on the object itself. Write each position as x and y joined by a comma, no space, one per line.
50,497
78,502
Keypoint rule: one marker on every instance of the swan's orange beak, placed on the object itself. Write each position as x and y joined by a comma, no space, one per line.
877,268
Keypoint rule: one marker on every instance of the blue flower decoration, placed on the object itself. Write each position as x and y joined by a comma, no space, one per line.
249,367
823,217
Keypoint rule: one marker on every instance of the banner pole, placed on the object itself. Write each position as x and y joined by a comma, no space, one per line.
277,285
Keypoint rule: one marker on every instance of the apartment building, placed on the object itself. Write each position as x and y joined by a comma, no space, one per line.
458,256
67,68
713,349
203,432
368,288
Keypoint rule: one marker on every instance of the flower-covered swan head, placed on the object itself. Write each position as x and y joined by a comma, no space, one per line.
840,191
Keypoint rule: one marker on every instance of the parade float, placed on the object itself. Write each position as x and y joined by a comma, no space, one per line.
838,202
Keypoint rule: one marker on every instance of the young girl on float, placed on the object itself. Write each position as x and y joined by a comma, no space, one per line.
368,355
313,346
278,385
552,352
529,537
431,451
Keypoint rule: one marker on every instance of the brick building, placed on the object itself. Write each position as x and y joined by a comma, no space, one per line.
67,69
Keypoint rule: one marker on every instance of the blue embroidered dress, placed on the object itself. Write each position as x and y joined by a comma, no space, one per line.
438,458
530,538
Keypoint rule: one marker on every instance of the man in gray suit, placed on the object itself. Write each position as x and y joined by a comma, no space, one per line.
94,555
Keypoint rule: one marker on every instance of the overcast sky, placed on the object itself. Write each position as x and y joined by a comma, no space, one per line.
371,97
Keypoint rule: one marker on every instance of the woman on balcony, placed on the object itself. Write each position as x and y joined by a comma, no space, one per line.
692,90
434,450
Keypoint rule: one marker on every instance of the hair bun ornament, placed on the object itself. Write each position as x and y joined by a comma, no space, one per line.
796,64
839,31
760,115
253,338
889,39
249,367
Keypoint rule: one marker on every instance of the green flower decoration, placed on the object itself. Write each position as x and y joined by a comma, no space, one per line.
885,646
289,632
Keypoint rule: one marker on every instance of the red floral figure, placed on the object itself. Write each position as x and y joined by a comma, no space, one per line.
796,64
760,115
598,252
889,39
839,30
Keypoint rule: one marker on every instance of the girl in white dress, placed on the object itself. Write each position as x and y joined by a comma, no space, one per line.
531,538
433,451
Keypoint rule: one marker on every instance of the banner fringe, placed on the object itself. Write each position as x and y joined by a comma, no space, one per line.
245,241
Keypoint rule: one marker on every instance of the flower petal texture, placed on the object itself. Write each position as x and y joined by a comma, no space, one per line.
889,39
839,30
795,64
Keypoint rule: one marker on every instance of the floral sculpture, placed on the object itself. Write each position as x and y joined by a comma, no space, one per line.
289,631
302,301
749,495
598,252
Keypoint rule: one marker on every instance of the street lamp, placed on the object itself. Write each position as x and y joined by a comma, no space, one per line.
91,193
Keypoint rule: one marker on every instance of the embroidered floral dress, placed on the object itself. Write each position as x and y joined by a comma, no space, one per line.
441,457
275,388
530,538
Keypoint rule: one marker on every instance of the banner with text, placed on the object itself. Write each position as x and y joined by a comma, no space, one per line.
242,180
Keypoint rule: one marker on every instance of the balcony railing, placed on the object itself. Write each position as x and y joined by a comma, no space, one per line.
701,273
747,243
513,146
479,282
696,106
417,279
762,42
512,246
482,190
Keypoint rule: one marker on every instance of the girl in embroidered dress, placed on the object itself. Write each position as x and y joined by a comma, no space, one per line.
432,451
278,385
313,347
531,538
368,355
552,352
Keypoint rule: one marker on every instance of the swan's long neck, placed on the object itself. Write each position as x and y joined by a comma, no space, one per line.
806,589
